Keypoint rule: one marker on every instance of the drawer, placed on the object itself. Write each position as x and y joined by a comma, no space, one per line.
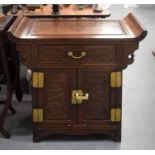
75,55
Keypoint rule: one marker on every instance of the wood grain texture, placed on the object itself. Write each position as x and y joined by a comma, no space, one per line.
96,83
56,97
57,56
109,46
27,27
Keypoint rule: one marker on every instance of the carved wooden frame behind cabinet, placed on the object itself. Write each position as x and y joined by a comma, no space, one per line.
77,71
9,73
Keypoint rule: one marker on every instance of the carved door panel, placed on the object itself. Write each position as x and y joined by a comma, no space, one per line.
95,110
55,97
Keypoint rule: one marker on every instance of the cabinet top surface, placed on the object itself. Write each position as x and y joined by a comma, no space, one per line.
33,28
71,28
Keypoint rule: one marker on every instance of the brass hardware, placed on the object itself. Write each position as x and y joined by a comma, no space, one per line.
38,79
116,79
74,101
35,80
37,115
70,53
78,96
115,114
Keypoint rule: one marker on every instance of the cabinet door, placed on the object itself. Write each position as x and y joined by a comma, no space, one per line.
95,82
55,97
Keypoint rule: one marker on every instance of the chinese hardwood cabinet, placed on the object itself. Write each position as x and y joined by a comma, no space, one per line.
76,71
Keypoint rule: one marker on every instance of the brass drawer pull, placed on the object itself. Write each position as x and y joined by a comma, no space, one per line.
70,53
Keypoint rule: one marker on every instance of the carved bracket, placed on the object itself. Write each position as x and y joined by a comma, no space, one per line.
128,55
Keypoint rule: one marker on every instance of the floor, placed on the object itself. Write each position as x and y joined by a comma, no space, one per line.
138,124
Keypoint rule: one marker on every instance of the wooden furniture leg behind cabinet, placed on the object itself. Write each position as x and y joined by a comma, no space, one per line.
9,74
5,76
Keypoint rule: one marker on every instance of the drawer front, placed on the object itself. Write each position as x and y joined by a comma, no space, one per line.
75,55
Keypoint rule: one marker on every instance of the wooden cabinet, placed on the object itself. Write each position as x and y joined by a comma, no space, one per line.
76,71
64,77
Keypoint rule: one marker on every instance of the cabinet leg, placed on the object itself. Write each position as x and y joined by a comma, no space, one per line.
35,135
117,136
35,139
117,139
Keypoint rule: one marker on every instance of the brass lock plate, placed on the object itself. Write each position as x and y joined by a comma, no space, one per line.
37,115
116,115
78,96
116,79
38,79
